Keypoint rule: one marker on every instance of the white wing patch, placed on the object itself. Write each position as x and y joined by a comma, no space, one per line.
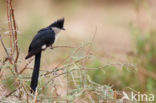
44,46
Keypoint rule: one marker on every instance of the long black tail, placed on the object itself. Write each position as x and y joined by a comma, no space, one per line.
34,78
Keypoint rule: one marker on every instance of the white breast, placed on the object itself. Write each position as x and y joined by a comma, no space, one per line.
56,36
56,30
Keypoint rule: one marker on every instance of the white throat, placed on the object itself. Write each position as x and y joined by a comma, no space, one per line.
56,30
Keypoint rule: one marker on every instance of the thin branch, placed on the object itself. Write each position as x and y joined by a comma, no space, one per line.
36,95
6,51
9,25
61,68
25,67
89,48
4,47
87,56
13,31
62,47
68,57
12,92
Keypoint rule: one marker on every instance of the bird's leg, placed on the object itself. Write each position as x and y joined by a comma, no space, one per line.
51,46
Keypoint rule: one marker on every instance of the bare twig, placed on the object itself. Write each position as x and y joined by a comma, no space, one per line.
13,31
68,57
62,68
16,45
4,47
25,66
36,94
6,51
9,24
89,48
87,56
62,47
27,98
12,92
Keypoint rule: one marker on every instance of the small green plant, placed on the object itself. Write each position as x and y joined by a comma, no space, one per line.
145,57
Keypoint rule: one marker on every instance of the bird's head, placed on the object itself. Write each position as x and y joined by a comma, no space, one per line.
58,24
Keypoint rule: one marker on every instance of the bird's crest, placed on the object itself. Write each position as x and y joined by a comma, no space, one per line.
59,23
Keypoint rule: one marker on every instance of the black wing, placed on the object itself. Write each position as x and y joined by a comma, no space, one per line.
43,37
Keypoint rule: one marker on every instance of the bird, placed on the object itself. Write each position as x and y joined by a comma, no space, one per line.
44,38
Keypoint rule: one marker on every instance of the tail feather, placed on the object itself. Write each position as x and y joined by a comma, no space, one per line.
35,75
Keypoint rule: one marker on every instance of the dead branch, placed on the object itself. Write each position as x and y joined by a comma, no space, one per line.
13,31
4,47
50,48
66,58
9,25
12,92
25,66
62,47
6,51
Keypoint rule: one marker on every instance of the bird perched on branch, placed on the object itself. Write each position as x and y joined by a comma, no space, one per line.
43,39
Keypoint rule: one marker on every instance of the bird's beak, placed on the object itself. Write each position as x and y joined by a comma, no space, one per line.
63,29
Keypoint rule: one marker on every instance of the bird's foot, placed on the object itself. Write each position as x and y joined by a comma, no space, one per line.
51,47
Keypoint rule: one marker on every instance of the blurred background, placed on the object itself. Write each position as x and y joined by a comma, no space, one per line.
124,37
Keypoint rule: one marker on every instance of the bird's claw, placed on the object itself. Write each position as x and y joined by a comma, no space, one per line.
51,47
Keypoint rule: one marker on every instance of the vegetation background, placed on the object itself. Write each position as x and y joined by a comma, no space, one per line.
108,47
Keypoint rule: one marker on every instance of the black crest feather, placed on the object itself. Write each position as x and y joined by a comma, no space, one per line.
59,23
